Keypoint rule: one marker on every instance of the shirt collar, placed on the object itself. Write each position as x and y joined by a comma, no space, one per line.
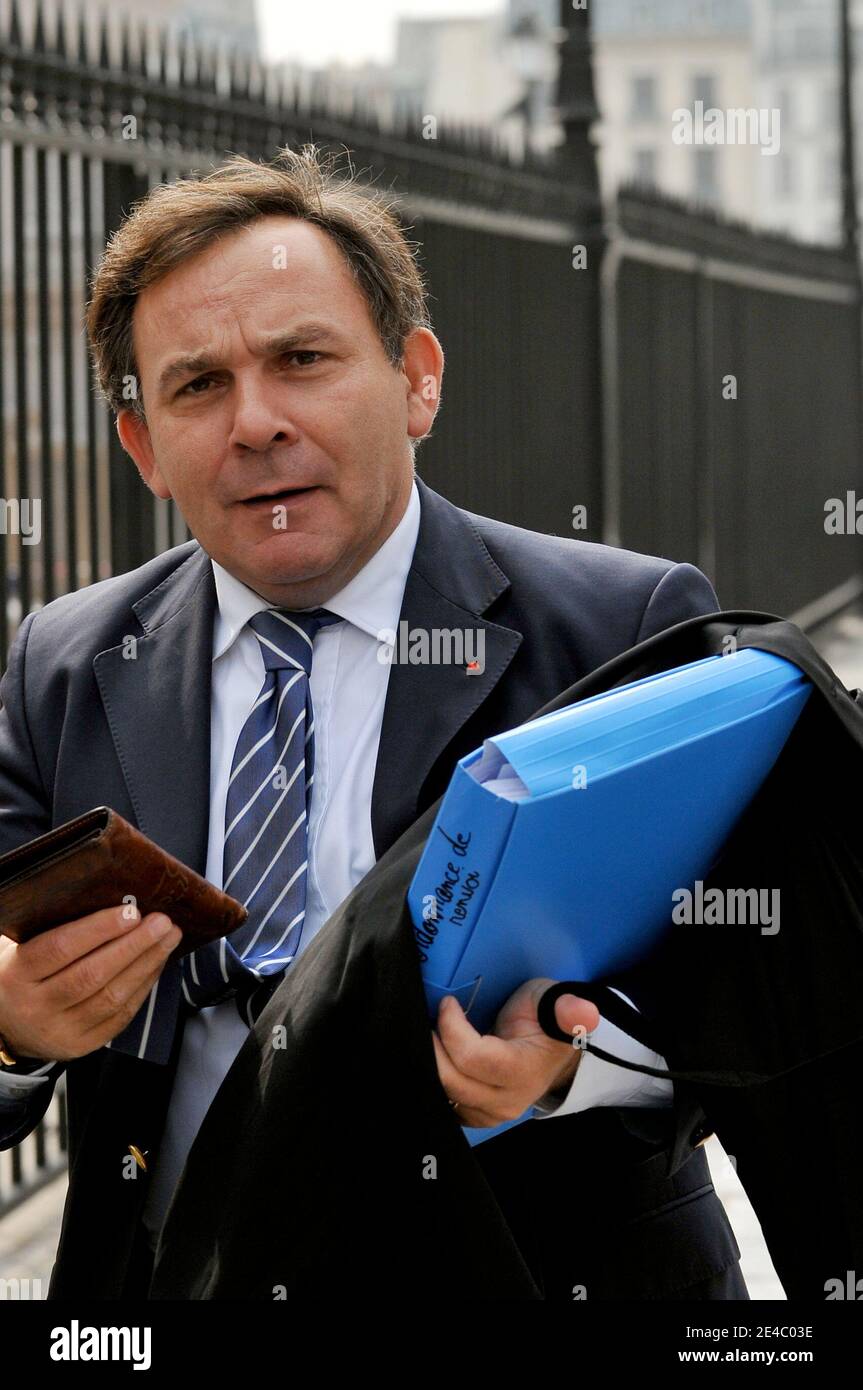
372,600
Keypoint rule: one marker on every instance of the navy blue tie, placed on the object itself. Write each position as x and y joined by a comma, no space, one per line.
266,824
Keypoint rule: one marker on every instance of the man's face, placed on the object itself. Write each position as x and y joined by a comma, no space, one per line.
285,443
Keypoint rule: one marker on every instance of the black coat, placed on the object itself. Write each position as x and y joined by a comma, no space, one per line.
348,1172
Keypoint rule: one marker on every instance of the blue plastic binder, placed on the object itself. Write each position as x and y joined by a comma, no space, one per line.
559,844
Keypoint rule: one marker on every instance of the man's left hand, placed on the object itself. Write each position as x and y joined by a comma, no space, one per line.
494,1077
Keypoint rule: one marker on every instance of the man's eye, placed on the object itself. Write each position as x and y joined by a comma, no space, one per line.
303,352
187,389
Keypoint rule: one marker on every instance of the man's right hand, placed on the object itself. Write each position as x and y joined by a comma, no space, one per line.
74,988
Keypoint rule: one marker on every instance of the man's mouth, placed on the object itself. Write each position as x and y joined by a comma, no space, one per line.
281,498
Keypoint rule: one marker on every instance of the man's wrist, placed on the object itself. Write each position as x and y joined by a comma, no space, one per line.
8,1054
560,1089
12,1061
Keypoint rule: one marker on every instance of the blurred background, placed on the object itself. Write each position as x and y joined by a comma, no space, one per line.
639,222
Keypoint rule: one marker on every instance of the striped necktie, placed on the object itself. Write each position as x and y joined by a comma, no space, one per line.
266,824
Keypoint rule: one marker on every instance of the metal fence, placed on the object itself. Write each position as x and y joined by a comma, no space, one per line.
732,397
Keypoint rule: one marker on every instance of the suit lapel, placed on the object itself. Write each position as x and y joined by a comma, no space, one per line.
157,703
452,581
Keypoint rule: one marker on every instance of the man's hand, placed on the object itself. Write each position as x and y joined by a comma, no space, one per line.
72,989
496,1076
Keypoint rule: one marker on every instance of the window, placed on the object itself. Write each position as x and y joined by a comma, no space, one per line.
644,167
706,175
643,104
644,170
704,89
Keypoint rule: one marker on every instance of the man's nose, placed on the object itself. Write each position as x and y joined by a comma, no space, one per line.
261,414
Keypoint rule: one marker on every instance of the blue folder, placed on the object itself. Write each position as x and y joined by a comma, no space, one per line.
558,845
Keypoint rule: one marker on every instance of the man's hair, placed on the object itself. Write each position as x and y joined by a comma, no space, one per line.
181,219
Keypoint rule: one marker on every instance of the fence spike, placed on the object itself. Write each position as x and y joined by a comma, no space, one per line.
257,82
233,75
39,44
239,76
162,51
207,68
63,36
175,41
125,44
83,46
282,88
257,79
143,43
104,48
273,88
15,37
186,66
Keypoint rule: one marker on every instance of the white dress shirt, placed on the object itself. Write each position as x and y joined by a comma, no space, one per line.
348,688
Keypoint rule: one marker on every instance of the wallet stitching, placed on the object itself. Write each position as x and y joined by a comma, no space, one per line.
13,855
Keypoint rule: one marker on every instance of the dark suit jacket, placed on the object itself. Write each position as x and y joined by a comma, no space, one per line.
82,726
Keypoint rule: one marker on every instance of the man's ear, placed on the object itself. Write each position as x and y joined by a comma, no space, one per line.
422,364
134,436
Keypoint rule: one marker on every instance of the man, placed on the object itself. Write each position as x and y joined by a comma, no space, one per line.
233,698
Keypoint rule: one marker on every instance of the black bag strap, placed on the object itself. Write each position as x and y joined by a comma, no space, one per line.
671,646
629,1020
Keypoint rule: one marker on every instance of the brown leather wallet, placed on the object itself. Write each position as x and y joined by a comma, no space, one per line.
99,860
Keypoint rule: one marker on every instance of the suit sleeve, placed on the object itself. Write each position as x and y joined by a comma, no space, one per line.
20,1118
24,814
25,810
682,592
